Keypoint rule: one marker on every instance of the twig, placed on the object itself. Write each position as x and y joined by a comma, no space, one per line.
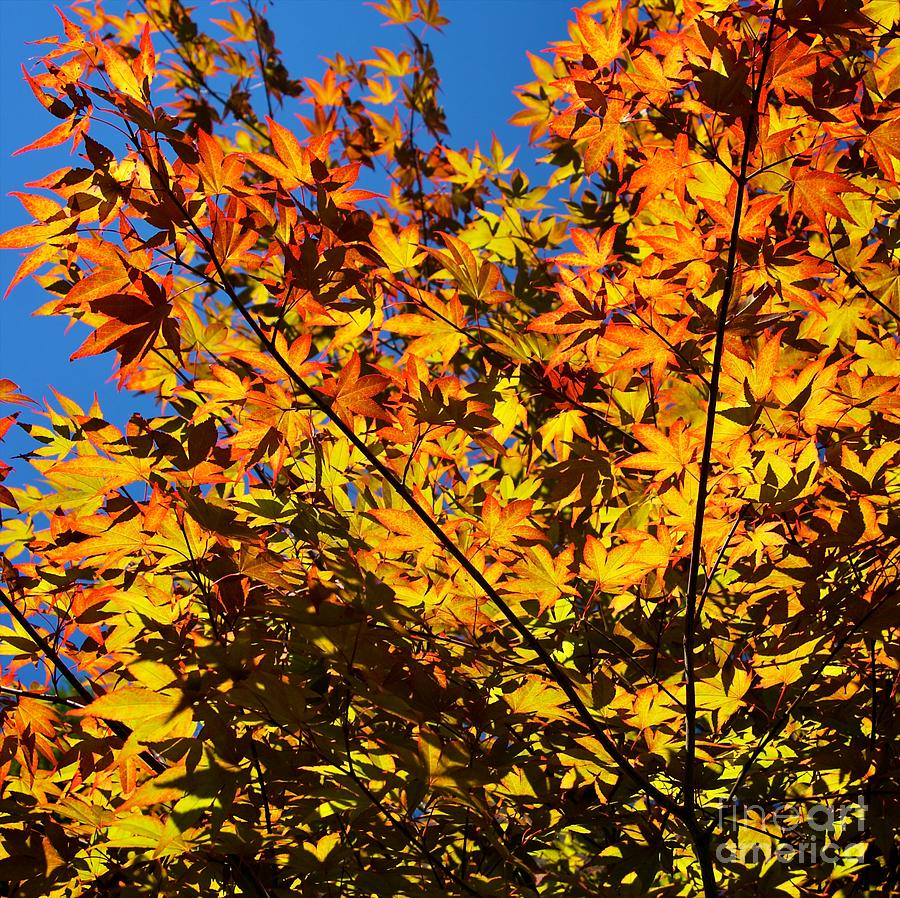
412,837
40,696
856,282
712,572
264,792
87,695
200,83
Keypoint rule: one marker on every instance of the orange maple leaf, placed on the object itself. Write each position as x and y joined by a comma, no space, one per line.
669,454
351,394
816,193
603,45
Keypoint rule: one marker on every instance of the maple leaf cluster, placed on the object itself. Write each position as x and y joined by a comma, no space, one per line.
492,532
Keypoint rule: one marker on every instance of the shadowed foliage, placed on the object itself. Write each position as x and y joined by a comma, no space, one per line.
497,532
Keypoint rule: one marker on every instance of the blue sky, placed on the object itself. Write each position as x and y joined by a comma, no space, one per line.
481,56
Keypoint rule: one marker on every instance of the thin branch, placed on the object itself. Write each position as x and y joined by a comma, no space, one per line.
873,714
411,836
263,60
630,657
40,696
712,573
156,764
414,150
263,790
690,611
201,85
60,666
48,651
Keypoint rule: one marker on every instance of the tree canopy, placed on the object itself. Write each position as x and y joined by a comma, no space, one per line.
496,532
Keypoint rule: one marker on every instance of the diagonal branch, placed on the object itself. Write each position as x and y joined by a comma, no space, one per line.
556,672
856,282
53,656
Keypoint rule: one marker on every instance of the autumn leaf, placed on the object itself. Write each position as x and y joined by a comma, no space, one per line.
441,332
622,566
352,395
669,455
132,323
818,193
476,280
54,137
9,393
402,251
722,700
506,525
601,44
537,698
294,157
408,531
151,716
120,71
541,576
102,474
